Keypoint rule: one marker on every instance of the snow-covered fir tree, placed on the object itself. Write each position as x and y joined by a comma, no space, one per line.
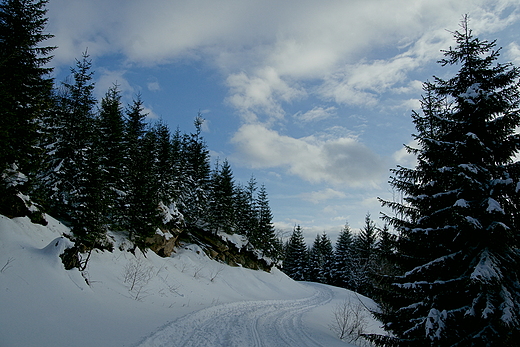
314,265
264,236
73,132
385,252
196,168
26,98
321,260
221,212
344,266
458,227
110,135
246,211
140,215
296,258
365,245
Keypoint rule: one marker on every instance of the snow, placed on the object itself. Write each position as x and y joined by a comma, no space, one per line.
474,221
461,203
494,206
240,241
435,323
185,300
471,93
13,177
469,167
487,269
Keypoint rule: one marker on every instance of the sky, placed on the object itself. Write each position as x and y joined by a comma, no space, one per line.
312,98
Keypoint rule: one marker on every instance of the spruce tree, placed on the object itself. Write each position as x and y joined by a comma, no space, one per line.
314,265
89,221
344,267
265,235
321,260
366,240
25,97
141,199
110,132
458,227
194,188
221,202
79,174
246,221
75,134
296,258
365,252
165,165
385,252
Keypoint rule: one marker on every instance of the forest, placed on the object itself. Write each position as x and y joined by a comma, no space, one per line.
445,275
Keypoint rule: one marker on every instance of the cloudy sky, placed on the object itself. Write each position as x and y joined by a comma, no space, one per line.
313,98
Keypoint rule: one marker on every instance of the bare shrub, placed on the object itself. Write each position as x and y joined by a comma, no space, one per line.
197,270
136,275
215,273
349,321
7,265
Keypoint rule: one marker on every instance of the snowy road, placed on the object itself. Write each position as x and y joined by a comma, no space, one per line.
263,323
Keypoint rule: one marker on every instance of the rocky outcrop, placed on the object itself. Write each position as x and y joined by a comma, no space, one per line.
225,250
164,242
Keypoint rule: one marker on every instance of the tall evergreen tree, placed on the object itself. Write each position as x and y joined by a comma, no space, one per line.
315,263
165,166
296,258
110,136
221,203
321,260
246,215
141,201
366,240
264,237
385,252
25,97
74,139
193,198
345,265
79,177
89,221
365,249
459,240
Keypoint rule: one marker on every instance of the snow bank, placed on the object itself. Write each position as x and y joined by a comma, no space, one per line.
128,297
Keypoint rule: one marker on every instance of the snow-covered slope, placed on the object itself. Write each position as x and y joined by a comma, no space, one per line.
146,300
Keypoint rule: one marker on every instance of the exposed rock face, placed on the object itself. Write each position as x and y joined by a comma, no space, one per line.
164,243
226,251
216,247
20,206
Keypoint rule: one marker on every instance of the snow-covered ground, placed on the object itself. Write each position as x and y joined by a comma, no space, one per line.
145,300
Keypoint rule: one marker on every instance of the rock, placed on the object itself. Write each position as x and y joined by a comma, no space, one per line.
164,243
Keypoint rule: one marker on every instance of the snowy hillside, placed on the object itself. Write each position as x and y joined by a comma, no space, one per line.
185,300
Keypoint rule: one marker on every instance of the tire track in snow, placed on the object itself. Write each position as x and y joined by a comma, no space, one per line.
265,323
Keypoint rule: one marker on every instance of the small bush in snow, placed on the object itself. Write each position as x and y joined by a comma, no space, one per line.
136,275
349,321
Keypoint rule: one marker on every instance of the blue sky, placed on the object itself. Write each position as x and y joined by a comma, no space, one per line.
313,98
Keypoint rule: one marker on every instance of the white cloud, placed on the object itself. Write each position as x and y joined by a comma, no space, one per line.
270,50
403,158
341,160
153,86
109,78
260,93
513,53
362,83
150,114
316,114
322,195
